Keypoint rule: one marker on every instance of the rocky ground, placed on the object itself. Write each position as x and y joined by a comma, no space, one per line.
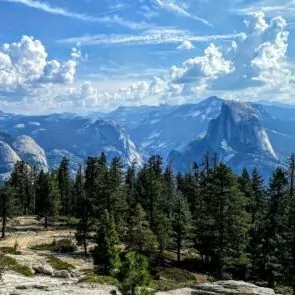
28,232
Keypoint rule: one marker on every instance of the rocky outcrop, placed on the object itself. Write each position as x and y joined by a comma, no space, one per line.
8,158
29,151
224,288
61,274
17,284
43,285
44,269
231,287
236,137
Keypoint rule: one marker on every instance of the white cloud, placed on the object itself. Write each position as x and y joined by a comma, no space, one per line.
271,8
103,18
186,45
172,6
156,36
24,64
250,65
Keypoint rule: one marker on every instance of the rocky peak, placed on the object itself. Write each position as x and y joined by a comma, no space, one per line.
238,128
29,151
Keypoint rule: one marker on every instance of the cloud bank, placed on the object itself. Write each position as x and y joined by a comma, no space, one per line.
251,65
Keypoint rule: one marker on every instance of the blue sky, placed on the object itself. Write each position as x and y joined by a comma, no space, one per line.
85,55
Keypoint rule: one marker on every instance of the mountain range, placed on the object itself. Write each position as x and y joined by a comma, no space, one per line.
240,134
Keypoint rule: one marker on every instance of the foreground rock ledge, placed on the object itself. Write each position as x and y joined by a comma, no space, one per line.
16,284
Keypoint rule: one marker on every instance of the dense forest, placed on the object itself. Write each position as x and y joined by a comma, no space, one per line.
238,226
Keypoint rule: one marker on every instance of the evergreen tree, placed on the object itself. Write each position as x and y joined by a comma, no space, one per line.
83,212
181,222
150,187
106,251
139,236
22,184
47,196
222,235
7,208
65,188
116,198
131,186
134,276
289,259
274,239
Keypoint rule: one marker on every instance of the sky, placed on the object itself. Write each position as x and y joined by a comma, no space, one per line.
96,55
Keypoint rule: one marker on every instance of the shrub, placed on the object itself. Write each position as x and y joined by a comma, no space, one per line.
11,263
64,246
10,250
59,264
60,246
3,266
92,277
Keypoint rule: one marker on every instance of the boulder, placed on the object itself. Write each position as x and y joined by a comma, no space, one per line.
45,269
74,273
61,274
231,287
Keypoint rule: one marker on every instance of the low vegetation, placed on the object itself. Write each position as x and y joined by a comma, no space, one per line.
10,250
3,266
90,276
10,263
172,278
60,246
59,264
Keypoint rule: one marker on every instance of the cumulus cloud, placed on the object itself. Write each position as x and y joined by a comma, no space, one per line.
25,63
252,65
186,45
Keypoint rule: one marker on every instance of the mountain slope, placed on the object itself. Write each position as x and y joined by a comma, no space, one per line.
72,136
236,136
173,128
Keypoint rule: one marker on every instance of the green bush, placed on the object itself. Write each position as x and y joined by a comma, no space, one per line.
59,264
173,278
64,246
60,246
3,266
92,277
10,250
12,264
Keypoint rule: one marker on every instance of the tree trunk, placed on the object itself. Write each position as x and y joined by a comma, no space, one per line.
178,248
45,222
271,281
85,245
3,227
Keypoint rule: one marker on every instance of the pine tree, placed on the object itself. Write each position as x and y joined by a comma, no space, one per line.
47,196
22,184
116,194
131,186
289,259
7,208
222,235
275,227
106,251
139,236
134,276
181,222
65,188
83,212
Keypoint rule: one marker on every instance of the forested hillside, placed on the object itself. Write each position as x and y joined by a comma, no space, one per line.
232,226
